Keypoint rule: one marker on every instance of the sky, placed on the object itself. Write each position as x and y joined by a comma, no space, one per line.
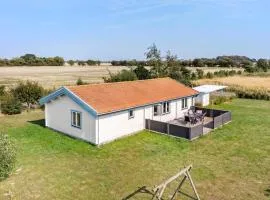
124,29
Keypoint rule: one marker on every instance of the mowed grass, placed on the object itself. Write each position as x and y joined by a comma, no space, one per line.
232,162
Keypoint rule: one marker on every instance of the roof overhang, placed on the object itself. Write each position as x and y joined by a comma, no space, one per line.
65,91
209,88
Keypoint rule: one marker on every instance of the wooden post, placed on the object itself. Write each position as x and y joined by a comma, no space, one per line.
193,186
179,186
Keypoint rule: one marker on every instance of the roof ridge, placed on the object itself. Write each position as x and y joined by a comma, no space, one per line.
121,82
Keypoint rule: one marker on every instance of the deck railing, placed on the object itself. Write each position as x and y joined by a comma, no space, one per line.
220,117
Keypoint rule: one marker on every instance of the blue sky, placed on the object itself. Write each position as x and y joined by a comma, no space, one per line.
123,29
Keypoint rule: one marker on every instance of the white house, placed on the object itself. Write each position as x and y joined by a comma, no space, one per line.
205,90
99,113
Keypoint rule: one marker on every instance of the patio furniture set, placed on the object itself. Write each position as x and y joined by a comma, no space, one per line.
194,116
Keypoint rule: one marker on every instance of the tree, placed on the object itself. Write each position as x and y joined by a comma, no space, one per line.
142,73
171,60
28,57
28,92
58,61
200,73
250,69
91,62
81,63
263,64
71,62
154,60
124,75
198,63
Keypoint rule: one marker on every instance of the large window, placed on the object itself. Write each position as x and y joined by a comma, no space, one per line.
184,103
76,119
131,114
165,107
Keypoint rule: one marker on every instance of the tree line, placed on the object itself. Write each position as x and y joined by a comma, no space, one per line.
220,61
33,60
168,67
84,62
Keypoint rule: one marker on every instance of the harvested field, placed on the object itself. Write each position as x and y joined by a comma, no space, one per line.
55,76
251,82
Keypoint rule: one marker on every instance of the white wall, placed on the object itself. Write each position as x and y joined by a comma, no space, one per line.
104,128
58,117
203,99
115,125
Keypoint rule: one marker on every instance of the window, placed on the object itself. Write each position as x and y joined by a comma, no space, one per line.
156,110
76,119
165,107
131,114
184,103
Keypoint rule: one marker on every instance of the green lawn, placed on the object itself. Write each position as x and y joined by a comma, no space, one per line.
232,162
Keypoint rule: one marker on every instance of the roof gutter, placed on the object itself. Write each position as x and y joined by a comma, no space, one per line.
115,111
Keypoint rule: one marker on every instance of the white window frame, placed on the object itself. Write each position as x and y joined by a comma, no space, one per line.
167,109
77,122
184,103
131,114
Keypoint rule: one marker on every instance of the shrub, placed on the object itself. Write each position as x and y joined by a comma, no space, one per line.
2,90
142,73
219,98
28,92
200,73
7,156
80,82
209,75
11,105
124,75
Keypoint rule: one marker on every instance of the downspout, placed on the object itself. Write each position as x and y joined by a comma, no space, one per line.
98,131
144,117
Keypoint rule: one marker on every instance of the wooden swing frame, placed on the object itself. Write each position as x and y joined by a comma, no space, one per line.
159,190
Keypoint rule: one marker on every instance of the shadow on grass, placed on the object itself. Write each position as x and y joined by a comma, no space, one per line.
149,194
267,192
40,122
139,191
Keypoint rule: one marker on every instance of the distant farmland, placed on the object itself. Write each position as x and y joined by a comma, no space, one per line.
56,76
251,82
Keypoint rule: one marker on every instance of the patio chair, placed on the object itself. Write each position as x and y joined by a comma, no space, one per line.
192,118
193,109
202,117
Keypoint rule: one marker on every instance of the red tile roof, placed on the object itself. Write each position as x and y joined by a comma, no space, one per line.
110,97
